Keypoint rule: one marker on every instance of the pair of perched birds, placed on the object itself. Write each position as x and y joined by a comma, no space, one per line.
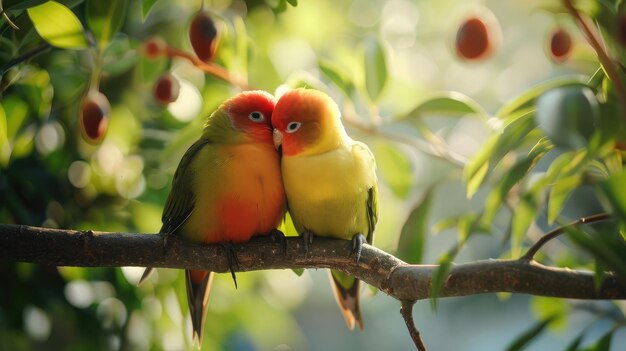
232,184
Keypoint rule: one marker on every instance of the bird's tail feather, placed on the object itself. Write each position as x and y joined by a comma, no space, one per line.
198,288
348,300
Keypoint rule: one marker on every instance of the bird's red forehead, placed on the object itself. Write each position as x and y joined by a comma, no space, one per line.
298,105
247,102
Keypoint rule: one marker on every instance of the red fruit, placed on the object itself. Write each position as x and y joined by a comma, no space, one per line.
203,36
472,39
95,110
154,47
560,45
477,37
166,89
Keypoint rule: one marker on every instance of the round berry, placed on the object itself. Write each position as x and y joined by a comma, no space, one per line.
568,115
478,35
95,111
203,36
166,89
560,45
154,47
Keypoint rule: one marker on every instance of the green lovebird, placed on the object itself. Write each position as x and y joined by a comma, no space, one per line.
330,181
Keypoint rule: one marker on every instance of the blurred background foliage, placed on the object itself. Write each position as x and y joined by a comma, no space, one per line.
510,135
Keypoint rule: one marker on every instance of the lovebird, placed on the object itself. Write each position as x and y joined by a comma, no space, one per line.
227,188
330,182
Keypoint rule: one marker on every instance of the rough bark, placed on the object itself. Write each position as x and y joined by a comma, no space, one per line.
400,280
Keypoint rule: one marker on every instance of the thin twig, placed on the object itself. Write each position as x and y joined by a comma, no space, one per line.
406,310
4,14
530,254
25,56
594,40
208,67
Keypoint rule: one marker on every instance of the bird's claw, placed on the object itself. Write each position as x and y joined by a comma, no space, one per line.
357,245
233,261
307,239
279,237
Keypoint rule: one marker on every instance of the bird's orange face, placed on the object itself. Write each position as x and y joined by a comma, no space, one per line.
299,119
251,113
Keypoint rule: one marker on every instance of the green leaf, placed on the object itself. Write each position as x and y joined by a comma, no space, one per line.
287,226
614,162
58,25
445,223
414,232
604,344
606,246
609,128
523,217
573,346
104,18
146,6
439,278
527,99
289,229
476,180
5,147
440,275
614,188
375,67
37,92
119,57
20,6
546,307
18,110
559,193
335,74
467,225
600,271
526,211
501,190
494,149
293,3
395,167
23,144
448,104
529,335
280,7
151,69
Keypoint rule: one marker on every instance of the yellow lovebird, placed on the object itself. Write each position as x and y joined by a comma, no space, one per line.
226,189
330,181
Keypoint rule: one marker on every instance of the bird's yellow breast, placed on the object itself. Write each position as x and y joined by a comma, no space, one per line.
327,193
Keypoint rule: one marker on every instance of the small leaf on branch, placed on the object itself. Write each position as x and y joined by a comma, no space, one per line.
58,25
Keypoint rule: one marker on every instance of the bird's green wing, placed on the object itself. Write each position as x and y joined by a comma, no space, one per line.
372,212
366,158
180,202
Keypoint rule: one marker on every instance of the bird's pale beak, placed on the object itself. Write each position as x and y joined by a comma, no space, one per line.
277,136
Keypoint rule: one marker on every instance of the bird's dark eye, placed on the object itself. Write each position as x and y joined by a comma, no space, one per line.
256,116
293,126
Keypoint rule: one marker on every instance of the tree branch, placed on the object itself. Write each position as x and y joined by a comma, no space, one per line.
530,254
378,268
406,310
